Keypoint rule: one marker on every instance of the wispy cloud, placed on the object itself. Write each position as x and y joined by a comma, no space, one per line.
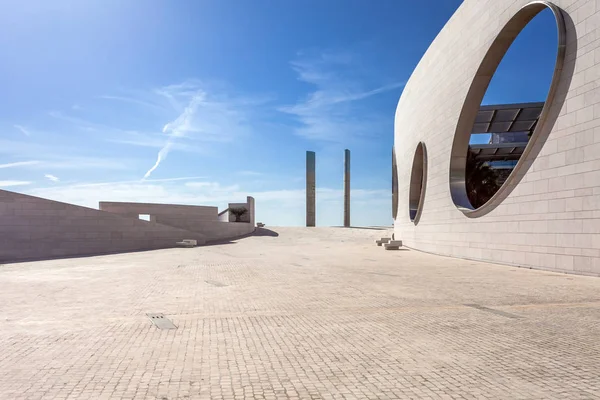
19,164
213,188
283,206
204,118
14,183
134,100
177,128
78,122
51,177
69,162
250,173
22,129
58,156
153,141
162,154
331,111
136,181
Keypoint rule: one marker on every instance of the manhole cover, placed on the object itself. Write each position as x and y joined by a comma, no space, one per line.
161,322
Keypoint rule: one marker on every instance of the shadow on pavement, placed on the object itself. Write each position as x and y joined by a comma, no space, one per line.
374,228
257,232
264,232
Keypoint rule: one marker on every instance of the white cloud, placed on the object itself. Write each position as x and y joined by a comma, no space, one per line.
329,113
156,140
55,154
274,207
80,123
162,154
23,130
13,183
134,100
250,173
213,188
203,117
19,164
86,163
51,177
185,178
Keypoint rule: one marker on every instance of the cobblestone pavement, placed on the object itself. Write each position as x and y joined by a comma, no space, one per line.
310,314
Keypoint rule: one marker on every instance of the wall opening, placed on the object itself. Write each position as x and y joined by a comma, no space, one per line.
506,109
418,180
145,217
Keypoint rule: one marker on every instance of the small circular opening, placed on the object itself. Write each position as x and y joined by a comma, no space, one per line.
418,179
493,142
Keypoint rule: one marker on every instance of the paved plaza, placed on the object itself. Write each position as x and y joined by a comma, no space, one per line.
296,313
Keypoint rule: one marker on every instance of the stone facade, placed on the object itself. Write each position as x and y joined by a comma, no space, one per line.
548,216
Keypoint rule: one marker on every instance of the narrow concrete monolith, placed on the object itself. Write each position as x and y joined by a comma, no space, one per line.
311,213
347,188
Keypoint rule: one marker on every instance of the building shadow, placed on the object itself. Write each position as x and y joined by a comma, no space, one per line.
373,228
264,232
257,232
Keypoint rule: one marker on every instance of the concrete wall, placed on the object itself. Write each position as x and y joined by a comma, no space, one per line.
244,218
222,230
35,228
200,219
224,216
175,215
311,191
550,216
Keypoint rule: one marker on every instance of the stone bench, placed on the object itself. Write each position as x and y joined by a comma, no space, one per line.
393,245
382,241
187,243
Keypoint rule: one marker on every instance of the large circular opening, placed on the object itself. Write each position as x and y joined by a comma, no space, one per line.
506,110
394,185
418,179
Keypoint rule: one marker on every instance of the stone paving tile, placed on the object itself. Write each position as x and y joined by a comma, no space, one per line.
310,314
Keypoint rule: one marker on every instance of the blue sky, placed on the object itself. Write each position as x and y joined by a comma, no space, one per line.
205,102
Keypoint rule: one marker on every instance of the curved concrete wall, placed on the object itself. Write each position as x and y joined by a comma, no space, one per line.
551,217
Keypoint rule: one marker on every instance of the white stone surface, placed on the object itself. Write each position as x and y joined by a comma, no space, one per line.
313,313
551,220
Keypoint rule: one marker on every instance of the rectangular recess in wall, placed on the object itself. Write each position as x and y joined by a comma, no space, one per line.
145,217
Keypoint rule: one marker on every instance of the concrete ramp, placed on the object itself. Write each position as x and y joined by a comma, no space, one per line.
33,228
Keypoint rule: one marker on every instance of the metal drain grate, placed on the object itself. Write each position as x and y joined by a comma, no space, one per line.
161,322
215,283
491,310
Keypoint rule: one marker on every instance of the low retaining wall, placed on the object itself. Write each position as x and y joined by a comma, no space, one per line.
200,219
34,228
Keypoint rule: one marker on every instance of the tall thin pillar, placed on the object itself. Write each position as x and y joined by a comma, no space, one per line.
311,213
347,188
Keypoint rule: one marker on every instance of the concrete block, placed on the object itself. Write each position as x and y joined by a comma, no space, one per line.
393,245
381,241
